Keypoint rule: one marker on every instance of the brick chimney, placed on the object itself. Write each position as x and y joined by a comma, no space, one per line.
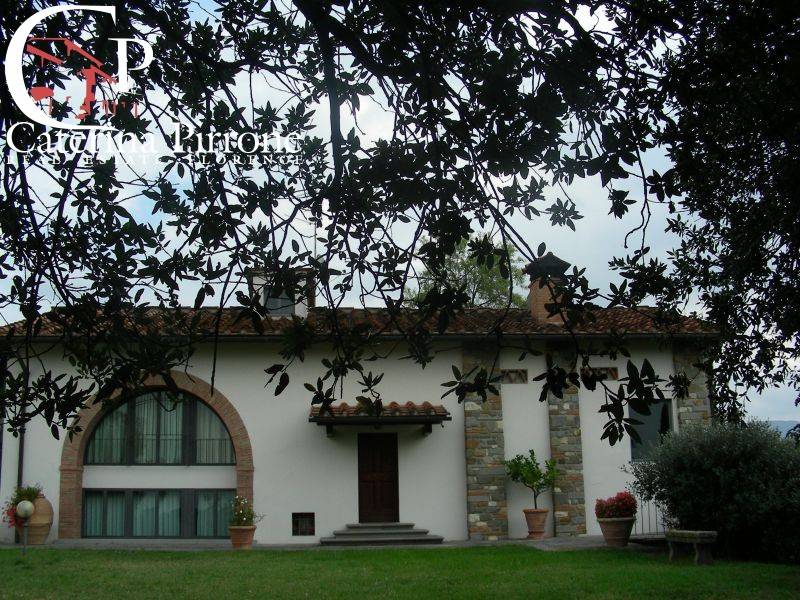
543,269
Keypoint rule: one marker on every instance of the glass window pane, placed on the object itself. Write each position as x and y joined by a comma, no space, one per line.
171,436
115,514
145,429
154,513
213,445
169,514
224,508
654,425
205,514
144,514
93,514
277,304
107,445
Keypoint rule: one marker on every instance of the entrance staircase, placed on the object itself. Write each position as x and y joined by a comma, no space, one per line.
380,534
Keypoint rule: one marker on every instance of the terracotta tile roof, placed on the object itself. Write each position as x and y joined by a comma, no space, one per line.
393,409
235,322
360,414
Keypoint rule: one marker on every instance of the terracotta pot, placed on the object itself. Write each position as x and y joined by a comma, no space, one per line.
617,531
536,518
40,522
242,536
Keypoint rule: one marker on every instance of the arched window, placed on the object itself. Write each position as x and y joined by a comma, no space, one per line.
160,428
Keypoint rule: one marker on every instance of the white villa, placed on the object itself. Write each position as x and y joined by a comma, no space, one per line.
149,469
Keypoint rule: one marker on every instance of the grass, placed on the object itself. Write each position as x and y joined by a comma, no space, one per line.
507,571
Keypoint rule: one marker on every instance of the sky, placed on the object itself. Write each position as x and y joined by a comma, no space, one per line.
598,236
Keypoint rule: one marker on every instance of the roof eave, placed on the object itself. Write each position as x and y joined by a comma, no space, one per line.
249,337
361,420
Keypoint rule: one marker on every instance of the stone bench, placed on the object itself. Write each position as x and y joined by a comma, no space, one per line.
702,541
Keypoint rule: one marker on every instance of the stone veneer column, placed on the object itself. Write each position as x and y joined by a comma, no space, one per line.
487,513
569,503
696,406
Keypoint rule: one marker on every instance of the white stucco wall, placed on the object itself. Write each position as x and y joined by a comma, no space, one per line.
602,463
8,469
299,469
526,426
42,458
161,477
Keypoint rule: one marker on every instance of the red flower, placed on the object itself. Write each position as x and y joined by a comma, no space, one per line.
621,505
10,515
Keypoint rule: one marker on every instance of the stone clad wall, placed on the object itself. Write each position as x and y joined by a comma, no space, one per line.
569,502
696,406
487,512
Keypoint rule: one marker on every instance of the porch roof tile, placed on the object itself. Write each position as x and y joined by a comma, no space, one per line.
393,409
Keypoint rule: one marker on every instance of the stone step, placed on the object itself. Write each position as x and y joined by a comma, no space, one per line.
380,525
380,540
375,531
380,534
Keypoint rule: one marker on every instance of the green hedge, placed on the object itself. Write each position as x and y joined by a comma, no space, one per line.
742,481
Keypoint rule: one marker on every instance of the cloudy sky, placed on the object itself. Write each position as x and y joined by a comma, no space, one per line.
598,237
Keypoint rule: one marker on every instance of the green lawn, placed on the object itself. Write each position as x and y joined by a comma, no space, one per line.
507,571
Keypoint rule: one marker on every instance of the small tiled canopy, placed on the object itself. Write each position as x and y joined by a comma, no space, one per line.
425,414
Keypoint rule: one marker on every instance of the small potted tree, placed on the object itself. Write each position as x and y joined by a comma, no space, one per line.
616,516
527,471
242,526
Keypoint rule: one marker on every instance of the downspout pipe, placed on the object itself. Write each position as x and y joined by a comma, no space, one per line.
21,456
21,453
3,364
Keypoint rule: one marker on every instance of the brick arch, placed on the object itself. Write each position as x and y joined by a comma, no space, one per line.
70,503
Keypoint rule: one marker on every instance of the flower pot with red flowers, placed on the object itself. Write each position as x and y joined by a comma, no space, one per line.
616,516
41,520
527,471
242,526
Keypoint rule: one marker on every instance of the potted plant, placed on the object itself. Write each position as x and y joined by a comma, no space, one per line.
616,516
40,522
527,471
242,526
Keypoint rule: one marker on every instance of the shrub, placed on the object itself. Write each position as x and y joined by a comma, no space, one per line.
527,471
242,513
616,507
741,481
20,493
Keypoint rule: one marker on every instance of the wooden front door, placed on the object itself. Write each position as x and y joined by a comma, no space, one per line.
378,492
